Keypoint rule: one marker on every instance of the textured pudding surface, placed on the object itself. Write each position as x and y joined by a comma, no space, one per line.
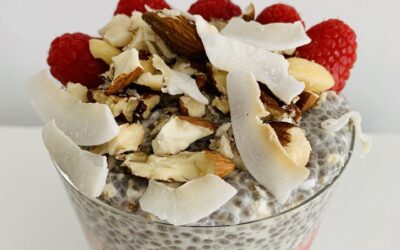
329,153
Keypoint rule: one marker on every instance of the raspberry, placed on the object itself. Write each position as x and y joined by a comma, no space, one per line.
128,6
334,46
219,9
279,13
70,61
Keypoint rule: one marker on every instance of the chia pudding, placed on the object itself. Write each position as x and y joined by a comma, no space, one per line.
183,131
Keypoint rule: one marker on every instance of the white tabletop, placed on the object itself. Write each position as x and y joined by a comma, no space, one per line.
35,213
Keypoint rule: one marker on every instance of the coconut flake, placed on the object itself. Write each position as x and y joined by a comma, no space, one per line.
272,37
259,147
86,124
334,125
188,203
233,55
86,171
177,83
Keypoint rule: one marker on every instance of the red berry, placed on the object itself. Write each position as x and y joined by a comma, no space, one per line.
334,46
70,60
128,6
218,9
279,13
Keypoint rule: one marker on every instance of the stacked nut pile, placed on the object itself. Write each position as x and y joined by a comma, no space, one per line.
171,103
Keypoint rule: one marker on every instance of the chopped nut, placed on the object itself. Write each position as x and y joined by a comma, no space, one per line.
127,68
199,122
223,129
179,132
249,13
222,145
191,107
154,82
307,100
102,50
294,141
118,105
146,39
222,104
278,110
123,81
150,102
147,66
220,80
181,167
116,32
78,91
129,139
201,81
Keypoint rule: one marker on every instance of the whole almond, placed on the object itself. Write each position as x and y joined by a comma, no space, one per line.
178,32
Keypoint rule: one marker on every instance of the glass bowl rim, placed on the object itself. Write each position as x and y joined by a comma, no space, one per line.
298,206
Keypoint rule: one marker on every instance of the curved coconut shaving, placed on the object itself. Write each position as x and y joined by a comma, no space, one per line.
87,124
334,125
233,55
272,37
86,171
188,203
258,145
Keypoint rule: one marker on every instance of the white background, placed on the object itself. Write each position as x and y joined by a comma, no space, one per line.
28,26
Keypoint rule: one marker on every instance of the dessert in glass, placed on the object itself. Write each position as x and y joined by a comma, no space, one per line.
207,129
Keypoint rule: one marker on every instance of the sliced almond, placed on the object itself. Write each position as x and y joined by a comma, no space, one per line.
307,100
129,139
181,167
179,132
315,77
178,32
